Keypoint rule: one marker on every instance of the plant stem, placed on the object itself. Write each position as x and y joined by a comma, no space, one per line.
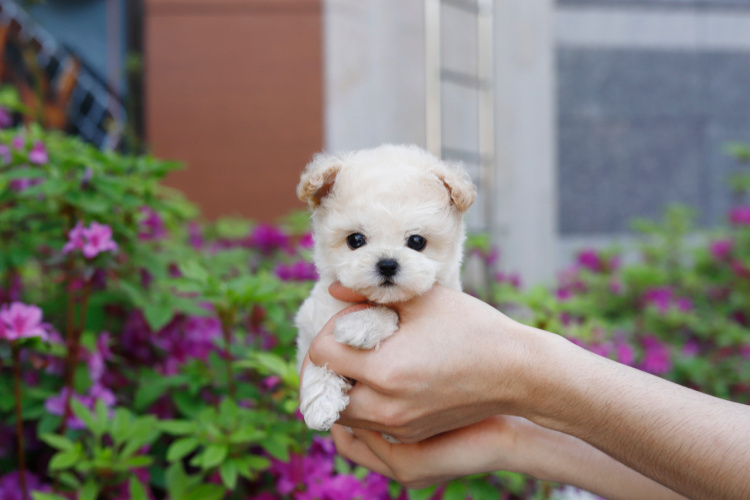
226,325
19,421
74,348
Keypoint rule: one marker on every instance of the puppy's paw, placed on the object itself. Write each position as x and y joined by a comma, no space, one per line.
322,397
367,328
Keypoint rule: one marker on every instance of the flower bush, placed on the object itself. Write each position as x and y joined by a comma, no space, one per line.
145,354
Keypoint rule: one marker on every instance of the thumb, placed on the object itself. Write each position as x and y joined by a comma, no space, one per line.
344,294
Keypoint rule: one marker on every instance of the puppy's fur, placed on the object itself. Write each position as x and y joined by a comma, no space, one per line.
389,196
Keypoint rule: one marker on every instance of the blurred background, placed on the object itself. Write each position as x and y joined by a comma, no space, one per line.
573,116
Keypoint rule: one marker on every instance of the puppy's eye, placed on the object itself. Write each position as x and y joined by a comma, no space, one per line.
416,242
356,240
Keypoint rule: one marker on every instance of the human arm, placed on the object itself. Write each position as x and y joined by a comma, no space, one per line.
499,443
456,361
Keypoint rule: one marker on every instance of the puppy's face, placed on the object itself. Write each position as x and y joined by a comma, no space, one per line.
387,225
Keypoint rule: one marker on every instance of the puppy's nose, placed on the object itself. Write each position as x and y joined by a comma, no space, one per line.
388,267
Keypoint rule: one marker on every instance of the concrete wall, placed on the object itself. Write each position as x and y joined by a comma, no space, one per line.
649,93
375,93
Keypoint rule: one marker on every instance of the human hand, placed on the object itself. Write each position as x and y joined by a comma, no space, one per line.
454,362
485,446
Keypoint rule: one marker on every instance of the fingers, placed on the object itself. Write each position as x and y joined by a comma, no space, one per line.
351,447
340,292
342,359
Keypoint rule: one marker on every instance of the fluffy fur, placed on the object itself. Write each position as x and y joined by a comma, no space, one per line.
386,194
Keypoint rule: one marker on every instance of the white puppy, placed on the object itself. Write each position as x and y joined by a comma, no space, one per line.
388,223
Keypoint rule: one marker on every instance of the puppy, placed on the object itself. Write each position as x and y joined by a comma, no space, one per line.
388,223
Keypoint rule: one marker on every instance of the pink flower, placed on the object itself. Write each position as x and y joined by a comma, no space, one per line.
624,353
267,238
56,404
306,241
721,249
6,120
271,383
21,321
99,239
92,241
740,216
18,142
590,260
151,226
10,485
299,271
5,154
510,278
656,356
23,184
664,299
38,154
75,238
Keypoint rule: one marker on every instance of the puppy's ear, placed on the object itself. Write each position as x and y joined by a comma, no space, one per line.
317,179
458,183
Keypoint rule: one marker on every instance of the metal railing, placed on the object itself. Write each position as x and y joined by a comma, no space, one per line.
93,111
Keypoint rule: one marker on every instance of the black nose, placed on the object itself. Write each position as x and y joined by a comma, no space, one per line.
388,267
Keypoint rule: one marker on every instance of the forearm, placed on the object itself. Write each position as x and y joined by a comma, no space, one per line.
691,442
554,456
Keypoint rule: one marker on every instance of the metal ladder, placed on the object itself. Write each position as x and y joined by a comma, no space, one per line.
482,82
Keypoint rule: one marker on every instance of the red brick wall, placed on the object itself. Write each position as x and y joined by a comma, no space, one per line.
234,89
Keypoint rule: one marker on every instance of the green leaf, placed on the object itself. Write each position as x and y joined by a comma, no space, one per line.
456,490
89,490
248,464
178,427
85,415
228,473
137,491
151,388
206,492
277,445
157,314
182,447
423,494
64,459
38,495
177,481
214,455
121,425
57,441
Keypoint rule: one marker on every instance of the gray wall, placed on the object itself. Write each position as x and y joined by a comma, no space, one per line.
649,93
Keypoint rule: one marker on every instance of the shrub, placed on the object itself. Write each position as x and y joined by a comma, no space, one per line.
146,354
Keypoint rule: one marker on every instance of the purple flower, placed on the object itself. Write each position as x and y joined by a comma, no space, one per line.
656,356
624,353
691,348
38,154
721,249
18,142
98,239
19,185
151,226
56,404
299,271
91,241
664,298
510,278
267,239
590,259
21,321
5,154
306,241
6,120
740,215
271,383
10,485
75,238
